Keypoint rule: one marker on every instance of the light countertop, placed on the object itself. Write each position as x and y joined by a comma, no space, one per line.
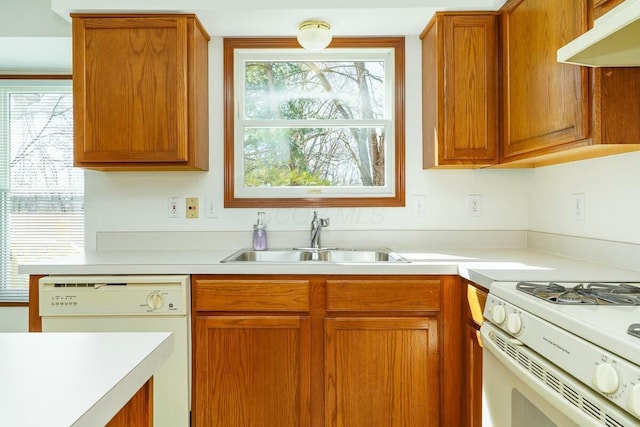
74,379
482,266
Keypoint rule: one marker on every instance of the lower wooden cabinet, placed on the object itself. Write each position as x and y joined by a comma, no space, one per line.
475,298
381,372
339,351
252,371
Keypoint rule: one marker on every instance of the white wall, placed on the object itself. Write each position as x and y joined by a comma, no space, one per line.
611,186
137,201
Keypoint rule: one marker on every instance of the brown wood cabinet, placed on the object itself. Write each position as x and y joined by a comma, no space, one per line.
547,112
460,90
553,112
140,86
600,7
475,297
326,351
545,103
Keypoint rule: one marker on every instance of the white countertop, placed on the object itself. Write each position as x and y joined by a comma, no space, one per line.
74,379
482,266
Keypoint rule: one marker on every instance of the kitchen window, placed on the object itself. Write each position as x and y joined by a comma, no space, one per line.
314,128
41,193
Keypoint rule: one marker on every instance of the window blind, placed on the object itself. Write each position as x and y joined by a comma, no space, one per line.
41,193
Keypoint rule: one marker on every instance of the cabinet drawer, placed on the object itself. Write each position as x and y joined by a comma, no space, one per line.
383,295
251,295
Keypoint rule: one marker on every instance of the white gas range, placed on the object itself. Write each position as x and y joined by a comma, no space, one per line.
564,354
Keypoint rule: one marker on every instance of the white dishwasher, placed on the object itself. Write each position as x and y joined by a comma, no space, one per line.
130,304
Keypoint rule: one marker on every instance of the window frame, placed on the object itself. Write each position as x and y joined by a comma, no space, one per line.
395,200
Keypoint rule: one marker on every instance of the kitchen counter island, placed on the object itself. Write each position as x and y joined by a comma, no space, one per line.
74,379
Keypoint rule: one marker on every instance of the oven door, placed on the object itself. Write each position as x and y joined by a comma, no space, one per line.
522,389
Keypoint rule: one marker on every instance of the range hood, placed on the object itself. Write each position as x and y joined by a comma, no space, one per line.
614,40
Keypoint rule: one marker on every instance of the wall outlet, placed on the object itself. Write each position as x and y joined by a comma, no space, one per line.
475,205
173,207
210,208
419,205
193,210
578,207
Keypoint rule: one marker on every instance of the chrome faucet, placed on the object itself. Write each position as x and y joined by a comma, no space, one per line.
316,228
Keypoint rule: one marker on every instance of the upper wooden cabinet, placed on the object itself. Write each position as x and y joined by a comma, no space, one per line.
459,90
545,103
600,7
554,112
141,93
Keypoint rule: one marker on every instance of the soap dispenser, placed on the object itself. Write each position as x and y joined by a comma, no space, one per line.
260,234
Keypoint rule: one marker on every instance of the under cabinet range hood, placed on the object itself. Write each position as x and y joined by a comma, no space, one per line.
614,40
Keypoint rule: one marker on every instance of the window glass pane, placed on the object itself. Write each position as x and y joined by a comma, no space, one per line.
304,90
335,156
42,209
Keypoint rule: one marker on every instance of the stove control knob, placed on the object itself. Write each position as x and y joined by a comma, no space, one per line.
155,300
605,379
498,314
514,323
634,400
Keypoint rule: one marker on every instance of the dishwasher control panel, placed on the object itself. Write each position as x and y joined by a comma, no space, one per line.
115,295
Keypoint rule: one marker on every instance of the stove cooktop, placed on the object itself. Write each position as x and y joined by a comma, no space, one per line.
584,293
606,322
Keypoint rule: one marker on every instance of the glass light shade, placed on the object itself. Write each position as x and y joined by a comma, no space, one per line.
314,35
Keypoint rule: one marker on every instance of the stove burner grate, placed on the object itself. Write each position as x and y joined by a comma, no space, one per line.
586,294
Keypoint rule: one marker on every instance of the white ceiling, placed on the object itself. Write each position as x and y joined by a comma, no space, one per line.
281,17
22,53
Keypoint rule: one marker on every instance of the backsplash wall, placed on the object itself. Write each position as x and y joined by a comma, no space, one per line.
137,201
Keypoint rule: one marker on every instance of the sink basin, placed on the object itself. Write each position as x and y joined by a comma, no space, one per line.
335,255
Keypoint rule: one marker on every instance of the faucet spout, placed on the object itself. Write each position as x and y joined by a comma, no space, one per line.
316,229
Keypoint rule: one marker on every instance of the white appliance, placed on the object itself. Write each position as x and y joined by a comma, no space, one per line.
129,304
561,354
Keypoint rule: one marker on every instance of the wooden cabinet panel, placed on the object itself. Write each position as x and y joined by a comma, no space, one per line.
381,372
140,92
475,298
251,295
616,113
388,294
251,371
545,103
459,99
473,377
600,7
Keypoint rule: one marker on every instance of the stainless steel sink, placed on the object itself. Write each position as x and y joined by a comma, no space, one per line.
335,255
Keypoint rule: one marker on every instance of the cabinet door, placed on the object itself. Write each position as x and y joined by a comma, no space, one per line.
460,121
381,372
473,380
545,103
251,371
135,97
476,299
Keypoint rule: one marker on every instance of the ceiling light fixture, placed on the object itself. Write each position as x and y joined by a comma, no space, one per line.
314,35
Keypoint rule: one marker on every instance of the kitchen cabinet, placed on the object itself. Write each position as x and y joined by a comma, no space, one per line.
545,103
326,350
475,297
554,112
252,364
381,352
600,7
140,86
460,90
